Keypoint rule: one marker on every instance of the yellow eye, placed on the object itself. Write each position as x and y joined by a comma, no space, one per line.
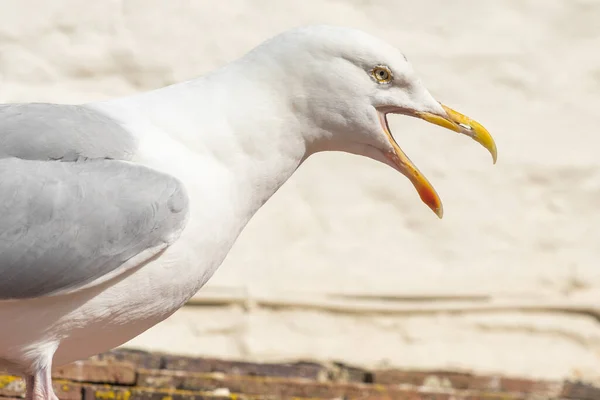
382,74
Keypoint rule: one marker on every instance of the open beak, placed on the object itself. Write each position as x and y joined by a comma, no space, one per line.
454,121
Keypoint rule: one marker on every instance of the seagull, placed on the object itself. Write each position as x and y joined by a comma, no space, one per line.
114,213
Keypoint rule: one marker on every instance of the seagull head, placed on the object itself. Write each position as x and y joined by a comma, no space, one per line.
341,84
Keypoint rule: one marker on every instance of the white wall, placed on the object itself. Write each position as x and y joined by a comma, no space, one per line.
518,240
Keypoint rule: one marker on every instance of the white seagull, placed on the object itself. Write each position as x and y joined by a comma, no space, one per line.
115,213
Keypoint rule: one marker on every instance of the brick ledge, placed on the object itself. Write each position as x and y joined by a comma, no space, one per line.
125,374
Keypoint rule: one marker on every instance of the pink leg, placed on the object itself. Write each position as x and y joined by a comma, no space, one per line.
39,385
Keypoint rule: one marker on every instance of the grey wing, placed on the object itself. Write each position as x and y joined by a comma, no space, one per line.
42,131
66,225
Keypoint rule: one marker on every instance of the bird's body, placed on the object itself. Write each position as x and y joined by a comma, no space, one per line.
115,213
225,190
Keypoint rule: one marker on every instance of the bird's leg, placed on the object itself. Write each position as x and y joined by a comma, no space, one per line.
39,385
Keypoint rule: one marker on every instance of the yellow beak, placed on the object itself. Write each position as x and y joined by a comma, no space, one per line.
454,121
465,125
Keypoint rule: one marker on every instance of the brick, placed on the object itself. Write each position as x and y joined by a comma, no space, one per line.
206,365
13,386
580,391
345,373
127,393
456,380
499,396
139,358
122,373
467,381
515,385
67,390
278,387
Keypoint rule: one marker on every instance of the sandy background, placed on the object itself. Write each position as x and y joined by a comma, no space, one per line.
507,282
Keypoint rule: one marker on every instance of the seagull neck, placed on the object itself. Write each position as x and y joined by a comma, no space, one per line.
253,135
237,129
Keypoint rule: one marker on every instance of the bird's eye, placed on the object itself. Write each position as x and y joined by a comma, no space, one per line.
381,74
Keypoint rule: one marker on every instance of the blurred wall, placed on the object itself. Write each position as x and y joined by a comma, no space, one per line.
345,262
